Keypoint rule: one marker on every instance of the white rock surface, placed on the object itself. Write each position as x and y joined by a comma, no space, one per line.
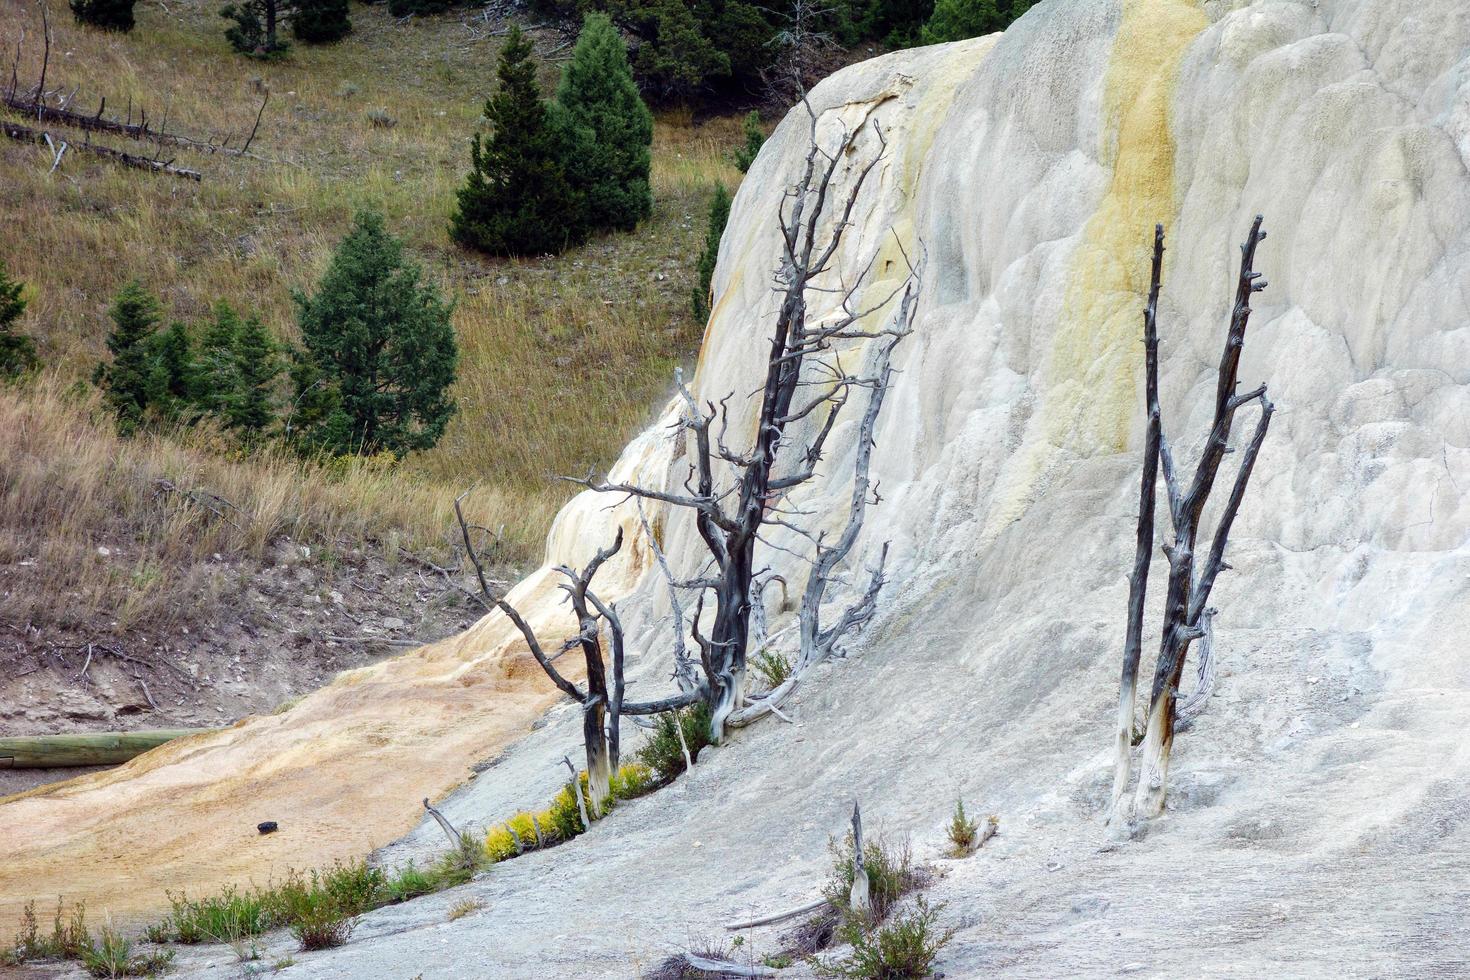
1319,821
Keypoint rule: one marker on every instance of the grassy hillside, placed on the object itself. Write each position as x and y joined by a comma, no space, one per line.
562,358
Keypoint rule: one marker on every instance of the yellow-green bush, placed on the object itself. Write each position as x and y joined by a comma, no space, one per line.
563,819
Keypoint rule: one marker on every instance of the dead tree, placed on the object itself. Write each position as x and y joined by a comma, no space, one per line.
602,702
1186,614
735,495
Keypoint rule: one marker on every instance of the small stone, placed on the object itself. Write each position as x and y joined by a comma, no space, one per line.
104,552
267,827
393,623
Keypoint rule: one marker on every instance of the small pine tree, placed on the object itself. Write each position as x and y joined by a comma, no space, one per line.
255,31
127,380
598,93
955,20
755,138
240,365
173,374
321,21
704,270
110,15
257,356
517,199
379,351
17,351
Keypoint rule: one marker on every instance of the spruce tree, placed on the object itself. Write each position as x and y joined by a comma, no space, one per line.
110,15
598,93
704,270
173,374
127,380
257,357
256,27
17,351
517,199
239,366
379,351
321,21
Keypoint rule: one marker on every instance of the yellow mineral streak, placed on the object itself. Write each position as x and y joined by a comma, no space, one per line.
1089,381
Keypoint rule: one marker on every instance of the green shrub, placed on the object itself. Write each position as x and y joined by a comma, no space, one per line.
755,138
17,351
226,917
113,957
69,936
663,753
890,875
321,924
110,15
904,949
704,268
772,667
962,832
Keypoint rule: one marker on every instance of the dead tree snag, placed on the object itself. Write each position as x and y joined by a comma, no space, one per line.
737,494
1186,616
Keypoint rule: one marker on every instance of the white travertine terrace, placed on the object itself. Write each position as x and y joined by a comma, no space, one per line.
1319,805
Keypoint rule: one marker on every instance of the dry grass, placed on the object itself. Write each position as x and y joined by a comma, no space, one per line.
563,358
72,488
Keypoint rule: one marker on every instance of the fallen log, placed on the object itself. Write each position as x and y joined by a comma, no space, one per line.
105,749
28,135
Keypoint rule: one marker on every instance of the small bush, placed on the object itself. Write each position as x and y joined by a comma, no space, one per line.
905,949
563,819
755,138
704,268
772,667
461,909
226,917
68,939
963,832
380,118
662,752
322,925
890,875
113,957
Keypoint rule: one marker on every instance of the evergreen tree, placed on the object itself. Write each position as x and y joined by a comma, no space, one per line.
127,380
17,351
110,15
256,27
379,351
955,20
704,270
321,21
517,199
598,93
257,358
217,368
173,374
755,138
240,365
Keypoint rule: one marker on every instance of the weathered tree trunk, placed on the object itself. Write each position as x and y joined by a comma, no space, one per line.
64,751
1143,552
1184,605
